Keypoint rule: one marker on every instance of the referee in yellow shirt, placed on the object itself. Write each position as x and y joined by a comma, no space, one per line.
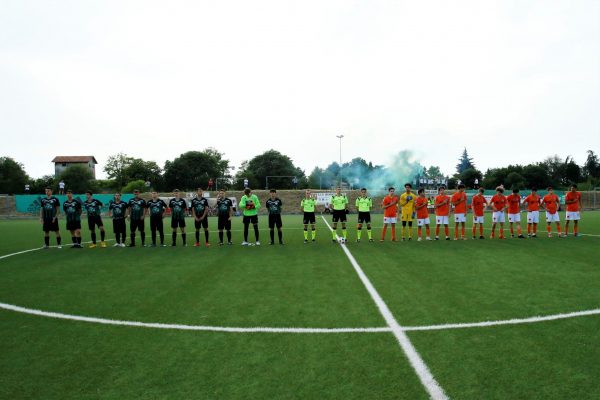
363,204
339,203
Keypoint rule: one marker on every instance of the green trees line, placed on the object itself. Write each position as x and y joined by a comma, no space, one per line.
195,168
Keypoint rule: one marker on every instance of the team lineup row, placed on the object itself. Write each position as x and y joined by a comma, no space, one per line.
407,207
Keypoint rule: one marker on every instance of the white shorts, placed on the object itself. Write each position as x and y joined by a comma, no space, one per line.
460,218
498,216
478,220
422,221
552,217
390,220
441,220
573,216
514,217
533,217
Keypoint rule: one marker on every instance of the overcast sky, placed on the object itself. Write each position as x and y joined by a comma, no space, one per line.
512,81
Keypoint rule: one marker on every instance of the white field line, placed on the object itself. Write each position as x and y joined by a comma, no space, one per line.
514,321
433,388
105,321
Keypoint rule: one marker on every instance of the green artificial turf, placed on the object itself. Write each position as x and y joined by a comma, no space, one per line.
299,285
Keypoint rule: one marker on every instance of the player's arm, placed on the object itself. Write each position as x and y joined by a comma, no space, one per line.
205,212
256,203
230,212
109,210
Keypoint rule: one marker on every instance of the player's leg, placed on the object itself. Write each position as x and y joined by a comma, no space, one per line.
206,232
197,227
403,232
246,221
183,232
228,229
384,230
358,231
272,229
92,228
279,225
344,232
254,221
153,229
393,231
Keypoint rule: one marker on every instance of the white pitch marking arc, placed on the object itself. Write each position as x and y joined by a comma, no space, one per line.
208,328
105,321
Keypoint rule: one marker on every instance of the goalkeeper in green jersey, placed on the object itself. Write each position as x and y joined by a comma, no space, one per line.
339,203
363,204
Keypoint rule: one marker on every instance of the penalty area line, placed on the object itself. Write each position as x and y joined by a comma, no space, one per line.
425,376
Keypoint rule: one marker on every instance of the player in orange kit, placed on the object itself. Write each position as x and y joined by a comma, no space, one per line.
551,202
442,210
573,202
390,213
498,203
459,201
478,204
421,204
533,202
514,213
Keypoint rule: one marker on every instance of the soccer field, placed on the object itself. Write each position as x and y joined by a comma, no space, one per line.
301,321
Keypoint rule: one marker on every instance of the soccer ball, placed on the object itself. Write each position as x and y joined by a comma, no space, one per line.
250,205
341,240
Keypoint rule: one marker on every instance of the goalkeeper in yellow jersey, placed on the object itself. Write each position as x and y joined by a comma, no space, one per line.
363,205
407,204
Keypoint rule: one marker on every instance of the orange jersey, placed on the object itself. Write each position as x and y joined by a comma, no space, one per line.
551,203
478,203
442,211
459,200
499,202
573,207
391,211
422,212
533,202
514,203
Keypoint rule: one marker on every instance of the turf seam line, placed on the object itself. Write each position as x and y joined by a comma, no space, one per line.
426,377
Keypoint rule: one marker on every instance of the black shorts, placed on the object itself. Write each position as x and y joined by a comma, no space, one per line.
203,223
50,225
93,221
136,224
309,217
339,215
156,223
177,223
275,220
250,219
224,222
364,217
73,225
119,225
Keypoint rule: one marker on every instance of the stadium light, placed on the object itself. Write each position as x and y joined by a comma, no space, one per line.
340,137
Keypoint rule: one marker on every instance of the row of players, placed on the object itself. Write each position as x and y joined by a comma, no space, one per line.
407,206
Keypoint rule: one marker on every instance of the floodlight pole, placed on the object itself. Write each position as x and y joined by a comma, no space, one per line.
340,137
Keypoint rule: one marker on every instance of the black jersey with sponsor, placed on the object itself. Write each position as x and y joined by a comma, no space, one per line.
49,207
93,207
178,207
274,206
137,208
223,206
199,205
118,209
72,210
156,207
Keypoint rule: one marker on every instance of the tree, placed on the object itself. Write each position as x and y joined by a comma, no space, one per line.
270,163
591,167
572,172
465,162
193,169
115,168
468,176
139,184
514,180
536,176
78,178
12,176
38,185
149,171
